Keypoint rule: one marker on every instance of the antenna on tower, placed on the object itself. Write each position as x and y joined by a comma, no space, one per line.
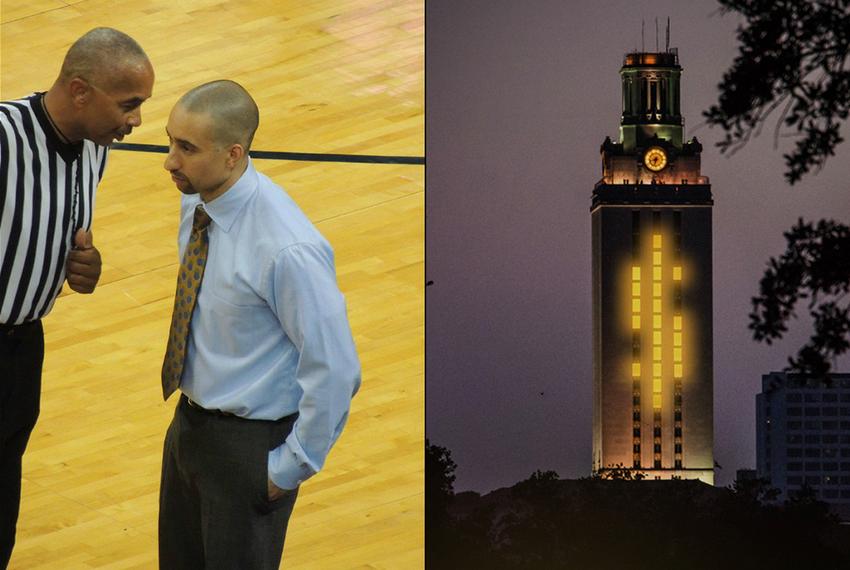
656,35
667,45
642,49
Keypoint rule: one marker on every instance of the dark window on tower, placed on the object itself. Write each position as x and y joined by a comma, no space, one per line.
653,95
635,234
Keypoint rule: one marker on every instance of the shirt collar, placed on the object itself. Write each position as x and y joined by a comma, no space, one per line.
226,208
68,151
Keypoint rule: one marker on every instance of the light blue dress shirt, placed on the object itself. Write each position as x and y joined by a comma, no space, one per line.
269,334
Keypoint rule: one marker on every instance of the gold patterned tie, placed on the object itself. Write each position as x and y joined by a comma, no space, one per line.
188,285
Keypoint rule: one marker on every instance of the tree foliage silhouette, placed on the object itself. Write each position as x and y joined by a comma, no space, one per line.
794,57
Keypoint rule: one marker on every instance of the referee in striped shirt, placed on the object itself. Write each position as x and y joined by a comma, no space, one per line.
53,150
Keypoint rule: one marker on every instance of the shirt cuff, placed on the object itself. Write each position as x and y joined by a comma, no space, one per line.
286,470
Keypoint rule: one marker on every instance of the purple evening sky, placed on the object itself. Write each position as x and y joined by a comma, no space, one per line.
520,96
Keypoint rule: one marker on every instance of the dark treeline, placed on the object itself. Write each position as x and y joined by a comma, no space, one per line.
595,524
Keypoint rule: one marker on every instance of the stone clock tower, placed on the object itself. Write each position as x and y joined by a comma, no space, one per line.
652,286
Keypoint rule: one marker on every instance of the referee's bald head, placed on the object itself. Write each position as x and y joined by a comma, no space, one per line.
105,57
234,114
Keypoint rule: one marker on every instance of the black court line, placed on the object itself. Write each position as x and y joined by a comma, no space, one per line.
306,156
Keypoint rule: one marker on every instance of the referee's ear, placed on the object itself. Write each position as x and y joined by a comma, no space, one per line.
79,91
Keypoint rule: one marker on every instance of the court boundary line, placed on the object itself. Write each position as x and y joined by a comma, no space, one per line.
302,156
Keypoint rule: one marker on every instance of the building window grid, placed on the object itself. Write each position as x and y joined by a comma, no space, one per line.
657,316
820,473
677,338
636,325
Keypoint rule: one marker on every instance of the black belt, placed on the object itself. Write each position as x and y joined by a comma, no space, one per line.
192,405
196,406
10,330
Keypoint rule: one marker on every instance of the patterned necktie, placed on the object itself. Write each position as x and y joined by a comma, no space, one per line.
188,284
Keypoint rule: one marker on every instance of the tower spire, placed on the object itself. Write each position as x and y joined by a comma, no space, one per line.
656,34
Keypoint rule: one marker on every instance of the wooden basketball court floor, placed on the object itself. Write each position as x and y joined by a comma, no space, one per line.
329,76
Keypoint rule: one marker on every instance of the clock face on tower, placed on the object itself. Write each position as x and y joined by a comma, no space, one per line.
655,158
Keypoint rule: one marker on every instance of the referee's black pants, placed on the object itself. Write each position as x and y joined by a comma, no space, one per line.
21,359
214,511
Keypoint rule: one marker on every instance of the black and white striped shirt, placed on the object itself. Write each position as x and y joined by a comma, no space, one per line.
47,191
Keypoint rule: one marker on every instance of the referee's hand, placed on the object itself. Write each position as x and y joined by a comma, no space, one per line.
83,267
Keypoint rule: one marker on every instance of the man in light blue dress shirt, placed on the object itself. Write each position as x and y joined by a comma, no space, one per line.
270,365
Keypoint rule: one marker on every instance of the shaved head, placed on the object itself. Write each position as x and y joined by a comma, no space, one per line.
104,57
233,113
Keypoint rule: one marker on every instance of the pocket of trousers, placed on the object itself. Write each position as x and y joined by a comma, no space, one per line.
277,434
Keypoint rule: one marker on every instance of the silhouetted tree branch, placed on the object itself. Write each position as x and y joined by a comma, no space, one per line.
793,55
816,266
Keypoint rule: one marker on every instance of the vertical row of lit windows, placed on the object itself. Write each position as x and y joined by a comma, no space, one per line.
656,346
677,340
636,435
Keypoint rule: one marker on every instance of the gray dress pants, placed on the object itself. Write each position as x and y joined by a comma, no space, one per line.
214,511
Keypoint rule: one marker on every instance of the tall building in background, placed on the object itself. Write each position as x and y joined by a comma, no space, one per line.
652,305
803,436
